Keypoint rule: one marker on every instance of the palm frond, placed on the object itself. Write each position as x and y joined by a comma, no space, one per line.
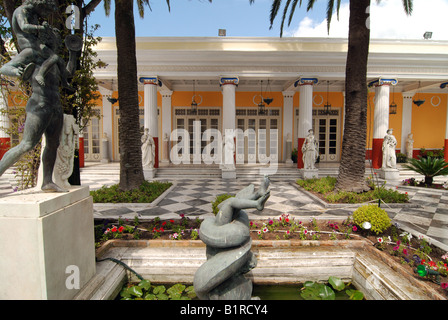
311,4
293,8
141,7
107,7
408,6
285,10
274,10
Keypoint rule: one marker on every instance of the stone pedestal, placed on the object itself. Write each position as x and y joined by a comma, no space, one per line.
390,174
228,173
105,151
47,244
149,173
310,173
288,152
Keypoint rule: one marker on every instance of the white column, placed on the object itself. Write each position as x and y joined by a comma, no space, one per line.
150,111
228,85
305,113
166,125
406,119
5,139
381,117
4,119
107,122
288,118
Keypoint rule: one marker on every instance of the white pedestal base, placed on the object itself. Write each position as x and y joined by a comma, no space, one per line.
390,174
310,173
149,173
228,173
47,244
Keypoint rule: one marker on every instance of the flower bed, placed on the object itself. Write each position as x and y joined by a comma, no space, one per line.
324,188
411,252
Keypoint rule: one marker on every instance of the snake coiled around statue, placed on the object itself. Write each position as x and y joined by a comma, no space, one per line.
228,245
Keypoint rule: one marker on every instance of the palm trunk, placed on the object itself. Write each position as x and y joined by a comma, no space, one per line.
131,170
352,168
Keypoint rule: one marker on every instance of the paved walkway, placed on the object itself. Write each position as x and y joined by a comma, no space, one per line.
427,213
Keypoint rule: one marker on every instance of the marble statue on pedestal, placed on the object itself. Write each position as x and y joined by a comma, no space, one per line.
410,146
148,150
227,237
69,142
228,152
38,63
389,156
310,151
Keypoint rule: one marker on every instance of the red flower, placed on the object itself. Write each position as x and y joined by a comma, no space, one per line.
172,221
114,229
161,230
163,223
120,229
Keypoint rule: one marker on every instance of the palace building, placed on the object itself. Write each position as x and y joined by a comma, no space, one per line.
220,82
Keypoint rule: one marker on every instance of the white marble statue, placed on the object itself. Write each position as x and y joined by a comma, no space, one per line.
69,142
389,156
310,151
228,152
409,146
148,150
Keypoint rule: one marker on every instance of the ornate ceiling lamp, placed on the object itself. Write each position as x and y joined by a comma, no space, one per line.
418,102
327,105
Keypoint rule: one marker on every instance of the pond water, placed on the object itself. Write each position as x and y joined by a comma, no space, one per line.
289,292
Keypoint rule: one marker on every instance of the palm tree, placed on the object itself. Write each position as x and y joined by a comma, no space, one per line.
352,166
131,169
428,167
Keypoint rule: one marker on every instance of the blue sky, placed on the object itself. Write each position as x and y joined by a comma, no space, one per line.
201,18
240,19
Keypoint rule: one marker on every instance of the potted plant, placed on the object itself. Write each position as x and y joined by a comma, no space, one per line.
429,167
294,155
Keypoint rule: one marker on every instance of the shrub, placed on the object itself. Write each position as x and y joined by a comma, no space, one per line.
322,185
218,200
401,158
325,186
373,214
429,167
146,193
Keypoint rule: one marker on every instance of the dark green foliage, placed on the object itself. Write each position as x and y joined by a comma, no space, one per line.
429,167
146,193
218,200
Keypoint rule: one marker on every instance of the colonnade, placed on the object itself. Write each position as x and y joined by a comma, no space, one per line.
228,86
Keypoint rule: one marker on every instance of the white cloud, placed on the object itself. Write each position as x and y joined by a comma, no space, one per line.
387,19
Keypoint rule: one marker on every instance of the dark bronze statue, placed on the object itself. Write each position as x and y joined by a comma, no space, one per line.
39,63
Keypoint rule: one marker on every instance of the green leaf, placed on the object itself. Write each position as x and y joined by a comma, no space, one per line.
190,292
159,289
176,289
162,296
336,283
355,294
136,291
310,293
145,285
150,296
326,293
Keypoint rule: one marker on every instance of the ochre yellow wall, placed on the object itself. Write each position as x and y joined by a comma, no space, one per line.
429,121
209,98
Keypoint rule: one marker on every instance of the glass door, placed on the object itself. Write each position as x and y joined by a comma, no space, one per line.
326,130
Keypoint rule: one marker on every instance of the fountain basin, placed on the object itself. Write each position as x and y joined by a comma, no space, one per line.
279,262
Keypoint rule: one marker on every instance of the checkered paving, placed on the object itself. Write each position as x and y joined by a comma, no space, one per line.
427,214
194,197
